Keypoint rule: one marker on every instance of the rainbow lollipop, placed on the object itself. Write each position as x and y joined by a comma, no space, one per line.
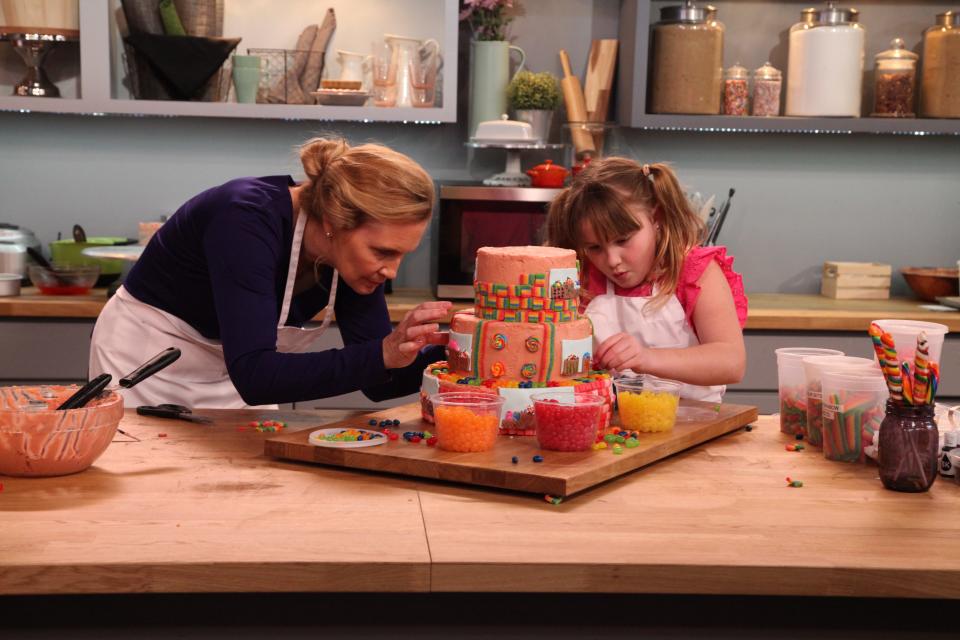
921,370
892,368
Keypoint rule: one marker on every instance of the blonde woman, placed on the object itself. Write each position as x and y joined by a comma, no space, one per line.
239,270
659,303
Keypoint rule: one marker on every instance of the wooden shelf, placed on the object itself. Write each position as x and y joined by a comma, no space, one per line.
786,124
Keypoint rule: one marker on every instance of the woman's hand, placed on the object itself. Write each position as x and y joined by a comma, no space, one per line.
418,328
619,353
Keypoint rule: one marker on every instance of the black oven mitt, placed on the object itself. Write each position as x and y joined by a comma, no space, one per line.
183,64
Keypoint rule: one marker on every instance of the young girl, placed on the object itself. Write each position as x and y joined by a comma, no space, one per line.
660,303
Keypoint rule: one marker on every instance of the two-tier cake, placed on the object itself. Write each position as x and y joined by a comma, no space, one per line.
523,335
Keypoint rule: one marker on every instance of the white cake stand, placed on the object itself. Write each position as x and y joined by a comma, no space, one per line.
129,252
512,175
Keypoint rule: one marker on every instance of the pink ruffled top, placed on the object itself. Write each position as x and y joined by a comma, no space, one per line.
688,289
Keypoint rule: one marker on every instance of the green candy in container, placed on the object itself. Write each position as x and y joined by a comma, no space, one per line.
792,386
814,367
854,404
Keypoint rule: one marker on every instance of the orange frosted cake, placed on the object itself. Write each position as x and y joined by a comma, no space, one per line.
524,334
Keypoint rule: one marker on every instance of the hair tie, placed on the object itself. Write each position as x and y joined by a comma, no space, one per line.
646,170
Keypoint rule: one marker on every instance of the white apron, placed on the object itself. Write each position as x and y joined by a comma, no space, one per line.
663,328
129,332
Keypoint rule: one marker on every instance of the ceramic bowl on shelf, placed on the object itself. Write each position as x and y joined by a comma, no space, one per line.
341,97
929,283
64,279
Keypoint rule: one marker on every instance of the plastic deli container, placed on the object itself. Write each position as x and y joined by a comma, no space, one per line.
647,403
814,368
905,334
854,404
466,421
792,386
567,422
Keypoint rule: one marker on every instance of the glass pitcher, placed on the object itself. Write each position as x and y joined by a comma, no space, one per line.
404,51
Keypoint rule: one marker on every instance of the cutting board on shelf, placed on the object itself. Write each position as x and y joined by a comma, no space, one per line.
560,473
599,80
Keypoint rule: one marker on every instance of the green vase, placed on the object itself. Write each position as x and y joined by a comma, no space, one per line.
489,77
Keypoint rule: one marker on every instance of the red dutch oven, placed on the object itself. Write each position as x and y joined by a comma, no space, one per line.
547,175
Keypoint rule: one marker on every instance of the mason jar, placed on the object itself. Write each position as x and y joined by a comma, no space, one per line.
909,447
687,63
895,77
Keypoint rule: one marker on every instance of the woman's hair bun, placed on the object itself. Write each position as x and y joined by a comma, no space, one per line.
316,155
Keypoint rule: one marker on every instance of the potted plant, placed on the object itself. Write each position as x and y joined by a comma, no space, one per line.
534,97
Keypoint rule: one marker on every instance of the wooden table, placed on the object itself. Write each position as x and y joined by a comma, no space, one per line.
768,311
202,510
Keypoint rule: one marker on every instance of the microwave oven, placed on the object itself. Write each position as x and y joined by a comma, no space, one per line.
471,217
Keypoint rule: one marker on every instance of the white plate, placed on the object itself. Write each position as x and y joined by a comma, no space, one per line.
129,252
316,438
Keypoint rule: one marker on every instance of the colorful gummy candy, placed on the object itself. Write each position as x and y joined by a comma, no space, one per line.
267,425
814,431
566,427
352,435
648,411
793,410
850,422
460,428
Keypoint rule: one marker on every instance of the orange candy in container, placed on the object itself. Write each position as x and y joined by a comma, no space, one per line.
37,439
467,421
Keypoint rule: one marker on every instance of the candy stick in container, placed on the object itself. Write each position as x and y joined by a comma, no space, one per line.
921,370
892,370
876,336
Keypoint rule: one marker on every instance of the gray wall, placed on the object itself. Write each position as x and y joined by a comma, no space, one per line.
800,199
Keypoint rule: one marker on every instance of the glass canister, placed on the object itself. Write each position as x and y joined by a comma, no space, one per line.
687,62
767,82
940,84
909,447
895,77
736,91
825,63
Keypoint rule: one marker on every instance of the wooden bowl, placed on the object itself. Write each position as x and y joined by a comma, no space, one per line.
929,283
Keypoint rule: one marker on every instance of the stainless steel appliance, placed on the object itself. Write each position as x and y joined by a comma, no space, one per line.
14,242
473,216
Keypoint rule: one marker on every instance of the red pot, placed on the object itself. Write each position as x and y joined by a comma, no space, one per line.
547,175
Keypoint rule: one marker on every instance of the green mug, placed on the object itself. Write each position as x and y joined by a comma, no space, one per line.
246,62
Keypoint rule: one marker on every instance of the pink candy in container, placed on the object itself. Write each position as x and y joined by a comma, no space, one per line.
38,440
567,421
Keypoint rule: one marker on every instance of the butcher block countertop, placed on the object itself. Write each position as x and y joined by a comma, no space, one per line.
768,311
199,508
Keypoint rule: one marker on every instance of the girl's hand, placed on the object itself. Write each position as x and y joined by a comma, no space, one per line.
418,328
619,353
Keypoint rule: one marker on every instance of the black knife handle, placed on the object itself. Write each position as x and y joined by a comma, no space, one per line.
87,392
160,361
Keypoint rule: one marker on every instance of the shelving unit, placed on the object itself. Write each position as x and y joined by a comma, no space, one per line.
756,32
99,72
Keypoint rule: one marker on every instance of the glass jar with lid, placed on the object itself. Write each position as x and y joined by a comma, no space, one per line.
825,63
736,91
940,84
895,78
767,82
687,63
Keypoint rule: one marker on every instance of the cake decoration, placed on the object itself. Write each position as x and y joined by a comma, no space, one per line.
497,369
532,344
499,341
529,370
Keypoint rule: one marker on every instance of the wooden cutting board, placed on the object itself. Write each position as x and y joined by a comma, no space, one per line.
560,474
599,80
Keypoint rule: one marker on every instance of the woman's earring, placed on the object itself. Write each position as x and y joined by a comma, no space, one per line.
329,234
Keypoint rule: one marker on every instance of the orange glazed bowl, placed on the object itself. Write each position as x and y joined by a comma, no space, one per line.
930,283
38,440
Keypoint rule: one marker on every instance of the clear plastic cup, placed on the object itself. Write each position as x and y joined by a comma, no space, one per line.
813,369
567,421
905,334
792,386
466,421
647,403
854,403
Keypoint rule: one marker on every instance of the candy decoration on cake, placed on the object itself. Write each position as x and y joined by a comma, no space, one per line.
499,341
529,370
532,344
497,369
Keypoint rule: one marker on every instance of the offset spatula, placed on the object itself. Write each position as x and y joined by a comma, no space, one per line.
98,385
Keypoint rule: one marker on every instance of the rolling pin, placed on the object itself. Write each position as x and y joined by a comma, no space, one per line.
576,109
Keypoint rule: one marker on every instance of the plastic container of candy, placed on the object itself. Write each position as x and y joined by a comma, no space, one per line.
814,368
567,421
466,421
647,403
36,439
853,408
905,334
792,386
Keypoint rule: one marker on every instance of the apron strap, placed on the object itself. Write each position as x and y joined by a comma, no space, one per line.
610,291
292,276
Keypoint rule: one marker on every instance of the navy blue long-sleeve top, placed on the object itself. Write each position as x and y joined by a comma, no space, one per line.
220,264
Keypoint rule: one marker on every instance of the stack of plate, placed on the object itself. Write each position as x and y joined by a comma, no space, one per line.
341,97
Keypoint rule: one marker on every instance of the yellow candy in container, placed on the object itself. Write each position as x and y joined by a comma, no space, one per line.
467,421
37,439
647,403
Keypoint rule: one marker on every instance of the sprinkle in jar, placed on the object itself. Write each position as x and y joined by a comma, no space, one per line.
767,83
736,92
894,81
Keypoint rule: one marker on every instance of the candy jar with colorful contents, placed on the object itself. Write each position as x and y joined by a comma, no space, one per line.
567,421
792,386
895,79
466,421
647,403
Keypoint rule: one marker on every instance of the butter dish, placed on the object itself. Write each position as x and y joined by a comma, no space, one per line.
504,130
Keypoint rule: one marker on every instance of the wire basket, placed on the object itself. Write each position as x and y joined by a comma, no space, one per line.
282,72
